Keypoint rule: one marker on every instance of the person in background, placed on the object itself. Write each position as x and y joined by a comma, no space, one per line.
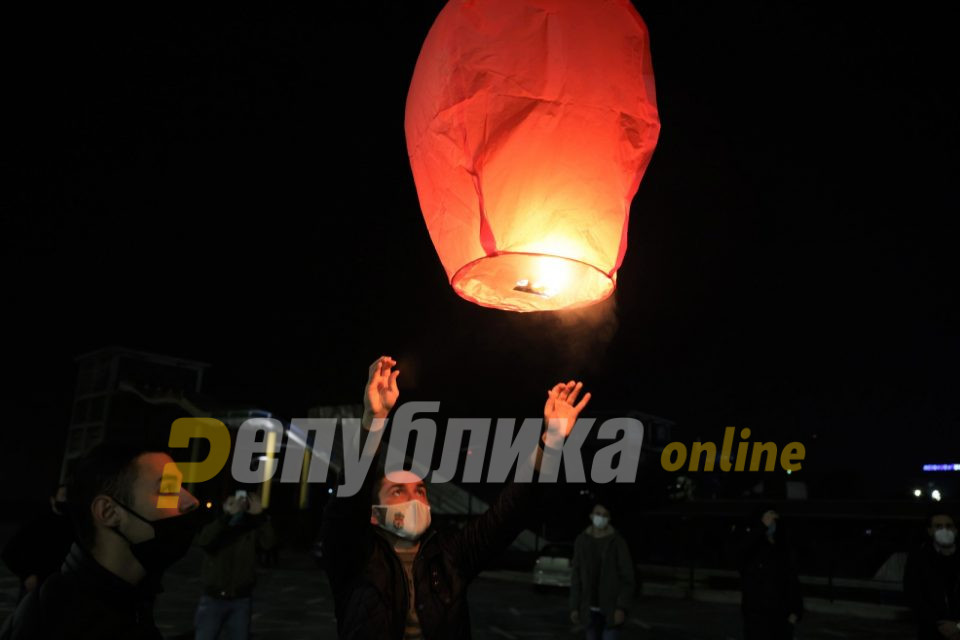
602,580
38,549
230,544
772,604
125,542
931,579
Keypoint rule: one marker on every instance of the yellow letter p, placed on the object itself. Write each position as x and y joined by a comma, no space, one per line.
181,432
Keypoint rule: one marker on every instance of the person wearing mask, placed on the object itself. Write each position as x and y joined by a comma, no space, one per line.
37,550
230,544
772,604
932,579
125,541
394,576
601,580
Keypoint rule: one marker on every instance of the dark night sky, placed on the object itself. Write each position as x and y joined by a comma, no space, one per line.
233,187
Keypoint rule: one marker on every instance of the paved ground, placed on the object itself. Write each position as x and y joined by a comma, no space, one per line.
293,603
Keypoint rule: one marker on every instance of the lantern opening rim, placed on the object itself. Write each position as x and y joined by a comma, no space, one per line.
592,285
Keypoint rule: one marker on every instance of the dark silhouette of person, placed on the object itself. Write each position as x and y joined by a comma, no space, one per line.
601,580
772,603
230,545
931,579
38,548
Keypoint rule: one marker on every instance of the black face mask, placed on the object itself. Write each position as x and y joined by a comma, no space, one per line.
171,541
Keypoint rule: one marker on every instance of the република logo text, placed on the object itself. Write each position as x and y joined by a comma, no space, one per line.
310,443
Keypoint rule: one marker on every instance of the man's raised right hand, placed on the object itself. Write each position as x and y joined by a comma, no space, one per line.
381,392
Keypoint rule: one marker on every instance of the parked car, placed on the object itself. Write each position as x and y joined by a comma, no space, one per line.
552,566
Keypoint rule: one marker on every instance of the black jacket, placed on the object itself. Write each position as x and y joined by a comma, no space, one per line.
367,577
230,553
768,576
931,582
84,601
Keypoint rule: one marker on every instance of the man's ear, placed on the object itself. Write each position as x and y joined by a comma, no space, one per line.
373,515
105,511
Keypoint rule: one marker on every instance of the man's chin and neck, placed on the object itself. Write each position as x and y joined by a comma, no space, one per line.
396,541
946,551
120,561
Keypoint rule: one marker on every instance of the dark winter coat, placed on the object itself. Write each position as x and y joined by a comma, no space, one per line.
367,577
931,582
84,601
612,574
769,576
230,553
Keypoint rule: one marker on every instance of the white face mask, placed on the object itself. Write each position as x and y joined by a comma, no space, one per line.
405,519
599,521
945,537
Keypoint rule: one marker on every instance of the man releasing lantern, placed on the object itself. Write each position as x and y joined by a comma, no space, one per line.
529,125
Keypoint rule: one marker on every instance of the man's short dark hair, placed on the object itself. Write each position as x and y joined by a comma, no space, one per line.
936,509
108,469
379,471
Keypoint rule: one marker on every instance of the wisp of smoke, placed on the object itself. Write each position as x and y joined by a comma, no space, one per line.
581,336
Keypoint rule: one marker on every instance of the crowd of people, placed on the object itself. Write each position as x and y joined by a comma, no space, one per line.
96,573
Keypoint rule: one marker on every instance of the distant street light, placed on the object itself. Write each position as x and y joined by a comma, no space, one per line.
917,493
935,494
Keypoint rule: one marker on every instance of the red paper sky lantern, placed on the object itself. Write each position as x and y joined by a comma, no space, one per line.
529,125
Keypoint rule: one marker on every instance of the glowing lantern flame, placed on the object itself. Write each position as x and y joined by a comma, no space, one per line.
529,125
